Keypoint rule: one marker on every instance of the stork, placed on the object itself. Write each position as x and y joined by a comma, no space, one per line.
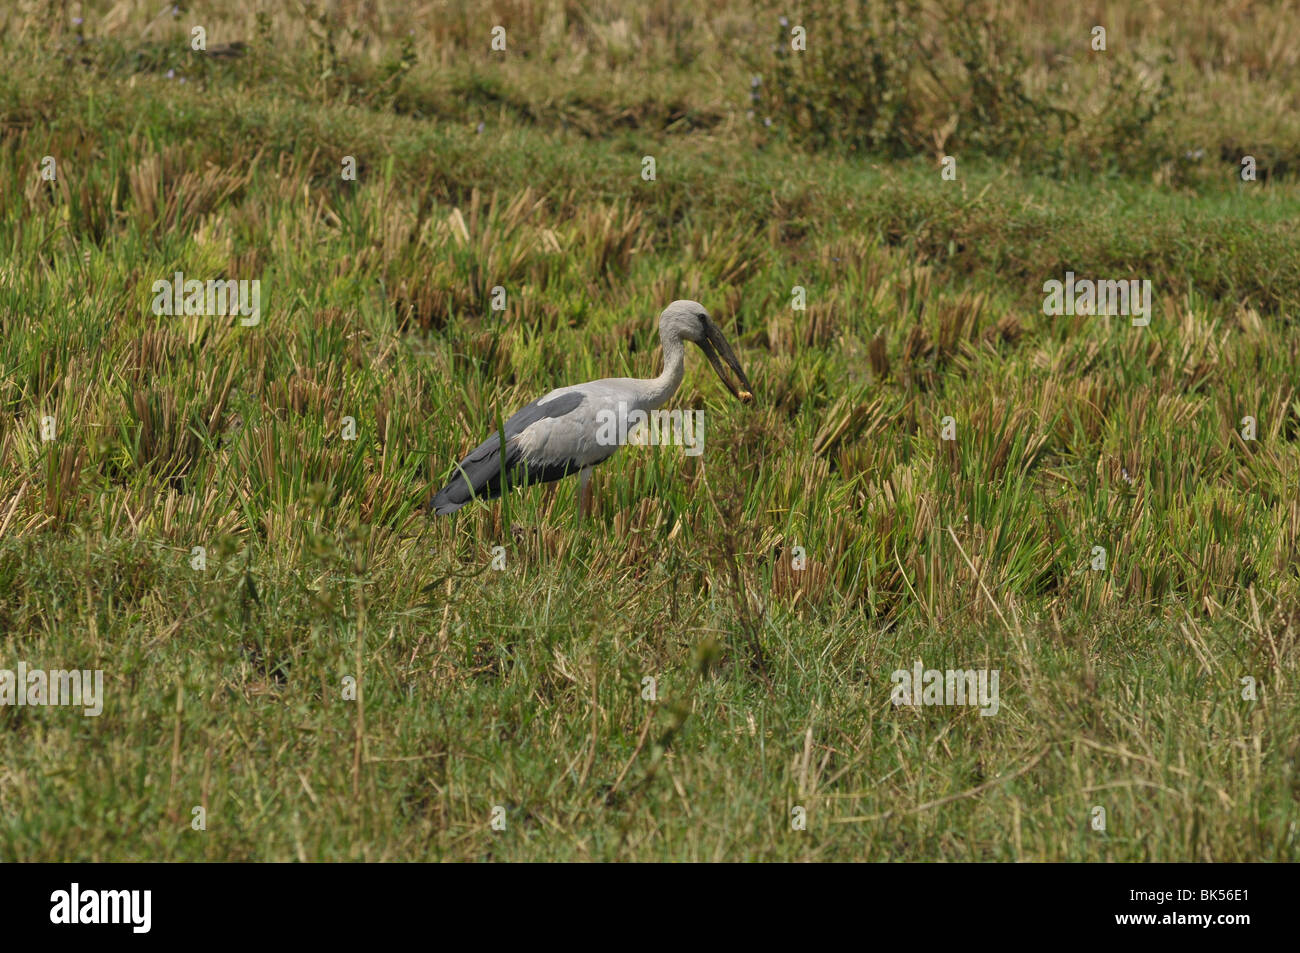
561,433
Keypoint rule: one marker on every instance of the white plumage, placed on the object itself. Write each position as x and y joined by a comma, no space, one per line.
561,433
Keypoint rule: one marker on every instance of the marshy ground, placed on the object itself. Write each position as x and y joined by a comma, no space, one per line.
347,678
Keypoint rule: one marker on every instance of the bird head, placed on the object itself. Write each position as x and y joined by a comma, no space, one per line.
689,321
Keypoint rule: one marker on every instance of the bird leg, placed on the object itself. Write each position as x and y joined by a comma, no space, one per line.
584,492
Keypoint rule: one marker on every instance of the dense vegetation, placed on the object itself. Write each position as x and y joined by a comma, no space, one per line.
524,688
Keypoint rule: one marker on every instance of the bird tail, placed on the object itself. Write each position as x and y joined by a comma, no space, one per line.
478,477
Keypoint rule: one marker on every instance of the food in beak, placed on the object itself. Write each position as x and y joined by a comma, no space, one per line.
713,345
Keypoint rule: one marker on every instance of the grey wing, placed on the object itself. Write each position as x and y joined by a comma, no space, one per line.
479,474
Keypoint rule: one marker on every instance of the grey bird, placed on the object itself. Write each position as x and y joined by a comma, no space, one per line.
561,433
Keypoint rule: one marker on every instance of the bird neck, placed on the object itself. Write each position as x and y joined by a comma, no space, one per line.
665,385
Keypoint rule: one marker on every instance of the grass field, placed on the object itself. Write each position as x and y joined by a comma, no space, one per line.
345,677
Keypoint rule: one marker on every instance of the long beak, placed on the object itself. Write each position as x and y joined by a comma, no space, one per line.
715,344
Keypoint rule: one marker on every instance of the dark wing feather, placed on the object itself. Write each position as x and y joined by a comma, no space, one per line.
478,476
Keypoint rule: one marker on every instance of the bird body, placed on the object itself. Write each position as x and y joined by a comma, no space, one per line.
563,432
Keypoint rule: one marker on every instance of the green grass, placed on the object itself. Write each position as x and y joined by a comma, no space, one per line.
524,687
